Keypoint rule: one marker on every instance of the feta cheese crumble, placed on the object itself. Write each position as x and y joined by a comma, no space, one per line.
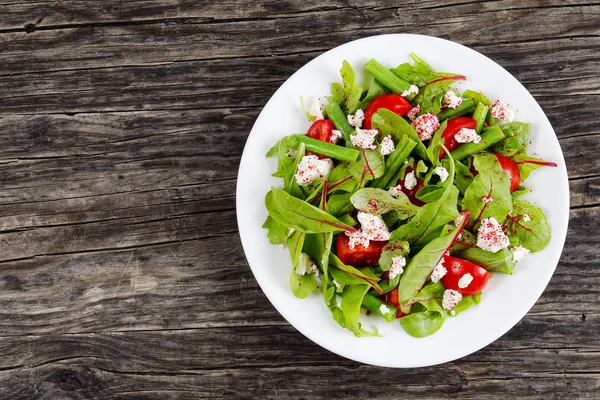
316,110
526,218
357,119
490,236
410,180
384,309
438,272
519,252
311,168
425,125
487,199
413,89
373,226
460,218
465,280
357,237
466,135
306,266
451,100
412,113
365,138
453,312
503,111
398,264
451,299
387,145
441,172
335,136
395,191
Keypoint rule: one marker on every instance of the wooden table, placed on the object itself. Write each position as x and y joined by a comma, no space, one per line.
122,124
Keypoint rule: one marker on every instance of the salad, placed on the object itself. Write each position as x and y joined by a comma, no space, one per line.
404,197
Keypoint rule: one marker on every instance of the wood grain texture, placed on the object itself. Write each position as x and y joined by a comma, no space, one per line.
122,125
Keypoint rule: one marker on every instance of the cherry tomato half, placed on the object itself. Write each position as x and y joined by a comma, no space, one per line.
359,256
453,127
457,268
391,298
509,167
411,194
322,130
393,102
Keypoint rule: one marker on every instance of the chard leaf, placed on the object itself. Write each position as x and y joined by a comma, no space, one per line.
491,181
392,249
422,324
421,265
534,235
277,233
370,165
390,123
348,94
301,285
299,215
364,275
375,90
501,262
339,204
378,201
528,164
351,303
516,139
341,179
463,177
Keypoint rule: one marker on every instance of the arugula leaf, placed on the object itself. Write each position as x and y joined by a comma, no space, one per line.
491,181
516,139
501,261
299,215
422,324
534,234
378,201
370,165
390,123
349,94
277,233
392,249
351,303
528,164
422,264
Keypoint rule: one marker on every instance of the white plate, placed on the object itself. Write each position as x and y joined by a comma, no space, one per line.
505,300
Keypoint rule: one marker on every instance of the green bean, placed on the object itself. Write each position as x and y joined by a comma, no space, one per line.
488,138
373,304
490,120
339,119
479,115
466,107
387,78
327,149
394,162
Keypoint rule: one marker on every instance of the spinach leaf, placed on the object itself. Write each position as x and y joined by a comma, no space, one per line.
422,264
528,164
390,123
516,139
349,94
533,234
501,262
277,233
301,285
351,303
295,243
463,177
392,249
370,165
378,201
491,181
299,215
422,324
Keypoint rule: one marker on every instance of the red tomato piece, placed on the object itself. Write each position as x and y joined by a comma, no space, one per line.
457,268
393,102
510,167
412,192
321,130
391,298
359,256
454,126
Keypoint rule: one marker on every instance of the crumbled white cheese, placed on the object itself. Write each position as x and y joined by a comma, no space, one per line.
490,236
398,264
413,89
438,272
487,199
526,218
311,168
503,111
410,180
384,309
460,218
465,280
357,119
357,237
425,125
453,312
387,145
412,113
519,252
466,135
395,191
338,287
451,299
291,153
365,138
306,265
441,172
316,109
335,136
451,100
373,226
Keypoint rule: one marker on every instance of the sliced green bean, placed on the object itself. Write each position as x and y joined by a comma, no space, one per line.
466,107
387,78
488,138
373,304
394,162
489,119
479,115
328,149
339,119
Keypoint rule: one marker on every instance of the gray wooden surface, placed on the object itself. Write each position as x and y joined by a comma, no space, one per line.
122,124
